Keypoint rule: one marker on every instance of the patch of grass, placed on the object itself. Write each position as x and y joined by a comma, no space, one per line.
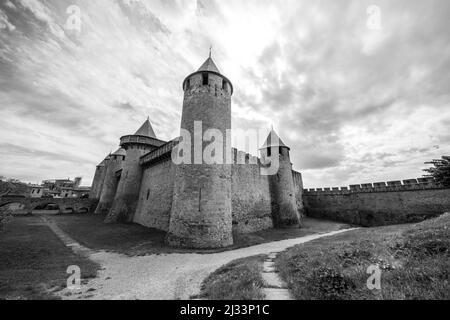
238,280
130,239
137,240
33,261
414,260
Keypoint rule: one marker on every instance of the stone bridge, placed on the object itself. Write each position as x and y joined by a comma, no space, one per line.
64,205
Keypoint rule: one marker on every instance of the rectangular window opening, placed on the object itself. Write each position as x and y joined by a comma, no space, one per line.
205,78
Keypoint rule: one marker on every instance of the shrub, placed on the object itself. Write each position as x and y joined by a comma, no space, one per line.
330,284
5,217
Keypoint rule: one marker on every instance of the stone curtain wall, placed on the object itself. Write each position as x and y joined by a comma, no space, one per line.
251,202
298,185
379,203
251,199
157,183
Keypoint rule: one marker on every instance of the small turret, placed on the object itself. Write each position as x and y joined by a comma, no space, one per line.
114,164
284,204
97,183
126,198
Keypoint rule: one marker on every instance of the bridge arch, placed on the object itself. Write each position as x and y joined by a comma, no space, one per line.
16,207
71,205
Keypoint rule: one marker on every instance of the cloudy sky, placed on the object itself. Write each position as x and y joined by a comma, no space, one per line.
356,103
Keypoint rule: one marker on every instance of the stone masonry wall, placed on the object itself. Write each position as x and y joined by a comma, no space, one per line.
251,203
298,186
380,203
157,183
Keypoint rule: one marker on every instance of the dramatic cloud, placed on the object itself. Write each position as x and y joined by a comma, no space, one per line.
356,104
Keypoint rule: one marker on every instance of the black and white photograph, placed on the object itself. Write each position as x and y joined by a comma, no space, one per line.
224,155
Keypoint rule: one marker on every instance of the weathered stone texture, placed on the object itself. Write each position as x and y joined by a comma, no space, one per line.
156,195
251,201
298,185
284,202
97,184
378,208
126,198
201,214
109,185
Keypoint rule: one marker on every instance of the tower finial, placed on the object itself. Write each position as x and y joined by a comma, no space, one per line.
210,51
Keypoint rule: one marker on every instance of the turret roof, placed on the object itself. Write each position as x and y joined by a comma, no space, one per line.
209,65
273,140
146,130
120,152
102,164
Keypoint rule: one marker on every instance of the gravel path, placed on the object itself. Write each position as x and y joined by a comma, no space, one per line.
162,277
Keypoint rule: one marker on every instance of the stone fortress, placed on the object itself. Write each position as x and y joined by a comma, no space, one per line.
202,205
198,205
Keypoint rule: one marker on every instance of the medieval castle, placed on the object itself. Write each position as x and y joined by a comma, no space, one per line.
198,205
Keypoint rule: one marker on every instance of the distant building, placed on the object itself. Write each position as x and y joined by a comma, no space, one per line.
36,191
59,188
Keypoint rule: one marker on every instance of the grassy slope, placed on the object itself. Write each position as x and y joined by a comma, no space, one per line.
238,280
414,260
33,261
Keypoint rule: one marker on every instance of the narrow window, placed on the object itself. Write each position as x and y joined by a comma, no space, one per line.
205,78
281,151
269,152
224,85
148,193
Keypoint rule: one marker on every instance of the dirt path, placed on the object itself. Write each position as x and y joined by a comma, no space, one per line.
160,277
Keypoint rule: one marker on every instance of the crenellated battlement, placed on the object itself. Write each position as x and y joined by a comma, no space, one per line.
241,157
390,186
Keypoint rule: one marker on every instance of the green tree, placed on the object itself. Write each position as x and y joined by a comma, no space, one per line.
440,170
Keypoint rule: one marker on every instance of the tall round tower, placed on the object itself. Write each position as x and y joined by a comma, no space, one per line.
111,181
201,209
98,181
126,198
282,189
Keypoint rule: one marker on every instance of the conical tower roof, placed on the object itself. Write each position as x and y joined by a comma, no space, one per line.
209,65
102,164
273,140
120,152
146,130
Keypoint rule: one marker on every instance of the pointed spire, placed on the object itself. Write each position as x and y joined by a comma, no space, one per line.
146,130
209,64
273,140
